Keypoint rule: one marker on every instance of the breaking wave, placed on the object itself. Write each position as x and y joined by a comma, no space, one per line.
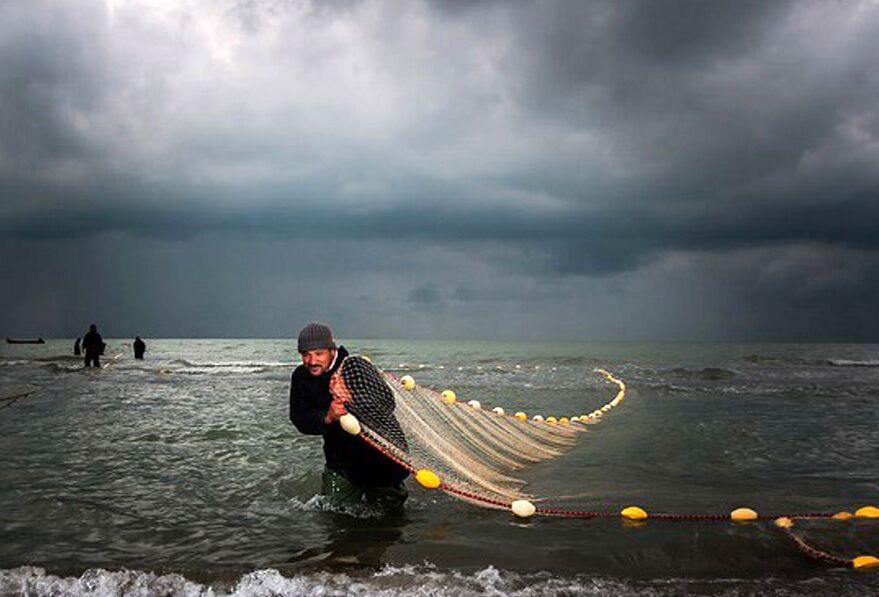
393,581
708,373
187,367
849,363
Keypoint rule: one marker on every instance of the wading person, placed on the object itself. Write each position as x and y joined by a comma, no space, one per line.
93,346
354,471
139,348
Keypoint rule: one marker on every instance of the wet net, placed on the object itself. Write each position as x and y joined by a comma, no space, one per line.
470,452
474,453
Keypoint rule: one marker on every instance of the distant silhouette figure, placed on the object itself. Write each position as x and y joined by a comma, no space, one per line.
76,350
93,345
139,347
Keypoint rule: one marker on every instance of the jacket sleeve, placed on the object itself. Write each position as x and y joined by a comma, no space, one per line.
308,419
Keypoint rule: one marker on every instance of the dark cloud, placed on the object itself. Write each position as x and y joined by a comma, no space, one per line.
484,161
576,243
695,32
52,68
212,285
706,100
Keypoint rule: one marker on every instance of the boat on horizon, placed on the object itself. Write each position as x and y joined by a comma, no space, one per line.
24,340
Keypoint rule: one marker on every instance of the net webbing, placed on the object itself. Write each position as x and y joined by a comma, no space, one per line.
474,452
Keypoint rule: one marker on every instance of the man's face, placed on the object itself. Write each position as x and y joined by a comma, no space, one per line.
319,360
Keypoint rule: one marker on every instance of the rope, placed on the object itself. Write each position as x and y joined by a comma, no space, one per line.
16,396
783,521
10,400
685,517
815,553
366,435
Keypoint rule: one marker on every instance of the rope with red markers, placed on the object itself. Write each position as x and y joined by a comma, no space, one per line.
523,508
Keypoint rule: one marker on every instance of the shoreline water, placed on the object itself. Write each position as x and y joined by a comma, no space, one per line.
392,581
186,462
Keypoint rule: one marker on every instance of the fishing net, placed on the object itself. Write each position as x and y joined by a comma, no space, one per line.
470,452
474,453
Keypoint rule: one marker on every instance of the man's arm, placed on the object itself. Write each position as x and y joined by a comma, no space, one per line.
308,419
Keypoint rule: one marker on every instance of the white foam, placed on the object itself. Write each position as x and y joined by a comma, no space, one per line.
850,363
31,580
222,364
325,504
216,369
393,581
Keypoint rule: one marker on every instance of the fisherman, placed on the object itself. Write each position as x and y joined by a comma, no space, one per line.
354,471
139,348
76,350
93,346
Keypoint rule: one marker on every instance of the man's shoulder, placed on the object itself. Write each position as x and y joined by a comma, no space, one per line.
298,372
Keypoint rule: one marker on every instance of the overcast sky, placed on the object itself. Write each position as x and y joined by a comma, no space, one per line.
464,169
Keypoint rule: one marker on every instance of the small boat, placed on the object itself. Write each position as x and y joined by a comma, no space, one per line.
24,340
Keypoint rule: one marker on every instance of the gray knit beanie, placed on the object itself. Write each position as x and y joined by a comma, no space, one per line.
315,336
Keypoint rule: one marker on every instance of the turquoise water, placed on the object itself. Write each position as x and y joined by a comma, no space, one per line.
181,474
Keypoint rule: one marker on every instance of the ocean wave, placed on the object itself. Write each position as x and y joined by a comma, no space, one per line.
344,577
40,361
668,389
212,369
61,368
474,369
707,373
759,358
407,367
61,357
187,367
851,363
229,370
13,362
225,364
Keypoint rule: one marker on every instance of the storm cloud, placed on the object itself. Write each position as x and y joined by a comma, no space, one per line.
561,170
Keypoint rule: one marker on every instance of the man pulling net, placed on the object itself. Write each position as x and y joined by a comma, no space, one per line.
378,428
328,385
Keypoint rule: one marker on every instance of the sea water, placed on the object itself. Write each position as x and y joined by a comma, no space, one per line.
182,475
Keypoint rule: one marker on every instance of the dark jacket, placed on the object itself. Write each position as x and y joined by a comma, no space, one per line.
347,454
92,343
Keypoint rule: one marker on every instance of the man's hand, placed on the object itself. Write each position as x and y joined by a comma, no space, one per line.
341,394
335,411
338,389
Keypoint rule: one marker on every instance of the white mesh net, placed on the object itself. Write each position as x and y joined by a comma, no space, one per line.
473,452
